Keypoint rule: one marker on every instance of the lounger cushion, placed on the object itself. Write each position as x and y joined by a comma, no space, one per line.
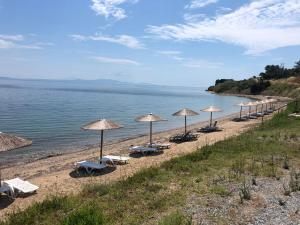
91,165
117,158
21,185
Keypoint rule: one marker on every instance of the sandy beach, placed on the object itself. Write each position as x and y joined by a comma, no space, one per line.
56,175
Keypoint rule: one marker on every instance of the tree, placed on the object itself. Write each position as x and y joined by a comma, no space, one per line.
297,65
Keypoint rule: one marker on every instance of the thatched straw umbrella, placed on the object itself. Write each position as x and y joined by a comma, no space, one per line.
242,104
250,104
149,118
185,112
10,142
101,125
257,104
211,109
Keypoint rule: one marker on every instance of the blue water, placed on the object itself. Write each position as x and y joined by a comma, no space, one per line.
50,113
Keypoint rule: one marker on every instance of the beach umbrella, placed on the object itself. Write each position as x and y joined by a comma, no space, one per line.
242,104
250,104
101,125
271,101
211,109
10,142
264,101
149,118
185,112
257,104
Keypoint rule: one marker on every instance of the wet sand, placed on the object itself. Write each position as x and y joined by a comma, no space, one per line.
56,175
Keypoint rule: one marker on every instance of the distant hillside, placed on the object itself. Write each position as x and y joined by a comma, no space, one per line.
276,80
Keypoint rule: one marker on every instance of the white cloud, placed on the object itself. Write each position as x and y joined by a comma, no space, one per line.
169,53
200,3
13,41
103,59
258,27
12,37
190,62
191,18
176,55
126,40
110,8
200,63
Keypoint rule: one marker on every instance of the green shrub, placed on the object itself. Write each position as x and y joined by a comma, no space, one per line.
85,215
176,218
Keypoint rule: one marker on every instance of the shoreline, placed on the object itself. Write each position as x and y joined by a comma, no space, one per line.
56,175
112,142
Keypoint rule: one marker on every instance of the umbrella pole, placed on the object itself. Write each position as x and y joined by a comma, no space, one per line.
150,132
241,112
184,124
249,111
101,145
210,119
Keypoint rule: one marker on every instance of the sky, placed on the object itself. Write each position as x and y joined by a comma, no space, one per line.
168,42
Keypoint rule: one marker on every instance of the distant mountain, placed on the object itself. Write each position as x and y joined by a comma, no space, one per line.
101,85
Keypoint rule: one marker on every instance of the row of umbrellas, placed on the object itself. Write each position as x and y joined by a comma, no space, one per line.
256,104
8,142
101,125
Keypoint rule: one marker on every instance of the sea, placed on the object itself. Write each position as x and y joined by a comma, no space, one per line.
52,112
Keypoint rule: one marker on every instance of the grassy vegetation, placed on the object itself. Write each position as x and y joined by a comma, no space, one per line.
159,195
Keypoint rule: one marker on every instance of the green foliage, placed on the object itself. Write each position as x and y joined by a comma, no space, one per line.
176,218
89,214
220,190
244,191
262,84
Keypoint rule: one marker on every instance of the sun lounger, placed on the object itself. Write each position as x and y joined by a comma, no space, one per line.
159,145
143,150
295,115
240,119
183,137
90,166
209,129
252,117
19,186
116,159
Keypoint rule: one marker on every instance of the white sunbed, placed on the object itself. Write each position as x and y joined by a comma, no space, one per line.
142,149
20,186
159,145
90,166
116,159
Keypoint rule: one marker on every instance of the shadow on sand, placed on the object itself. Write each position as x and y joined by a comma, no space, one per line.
82,172
140,155
5,201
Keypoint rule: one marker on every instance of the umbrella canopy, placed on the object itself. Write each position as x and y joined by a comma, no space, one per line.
101,125
185,112
9,142
149,118
211,109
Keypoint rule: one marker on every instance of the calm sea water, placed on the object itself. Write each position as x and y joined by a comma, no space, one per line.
50,113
